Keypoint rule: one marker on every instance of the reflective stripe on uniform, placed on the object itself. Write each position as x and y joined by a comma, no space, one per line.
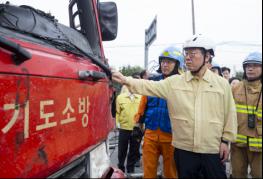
249,110
241,139
245,106
255,142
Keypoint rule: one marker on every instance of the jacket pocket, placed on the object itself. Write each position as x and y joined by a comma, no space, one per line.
215,130
183,131
213,103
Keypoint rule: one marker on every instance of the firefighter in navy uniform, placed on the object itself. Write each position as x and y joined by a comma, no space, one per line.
248,97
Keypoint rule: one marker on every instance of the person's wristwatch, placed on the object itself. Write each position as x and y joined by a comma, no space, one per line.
224,141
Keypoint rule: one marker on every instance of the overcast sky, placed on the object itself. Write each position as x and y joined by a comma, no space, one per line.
236,25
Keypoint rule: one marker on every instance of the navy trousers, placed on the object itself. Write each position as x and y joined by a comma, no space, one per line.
197,165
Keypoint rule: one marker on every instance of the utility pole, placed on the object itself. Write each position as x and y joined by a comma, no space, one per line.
146,52
193,17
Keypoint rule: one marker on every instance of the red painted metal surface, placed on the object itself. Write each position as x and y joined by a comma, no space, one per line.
37,98
48,117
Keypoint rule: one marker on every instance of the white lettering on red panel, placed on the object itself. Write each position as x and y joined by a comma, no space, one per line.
84,109
13,120
47,118
68,109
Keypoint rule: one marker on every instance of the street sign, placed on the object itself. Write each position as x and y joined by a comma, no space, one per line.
151,33
150,36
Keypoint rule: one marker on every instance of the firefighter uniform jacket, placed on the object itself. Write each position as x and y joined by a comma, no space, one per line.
248,98
202,111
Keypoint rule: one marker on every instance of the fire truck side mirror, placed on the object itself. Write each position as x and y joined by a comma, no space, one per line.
108,17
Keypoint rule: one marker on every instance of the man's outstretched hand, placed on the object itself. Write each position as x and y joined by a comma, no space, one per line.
118,77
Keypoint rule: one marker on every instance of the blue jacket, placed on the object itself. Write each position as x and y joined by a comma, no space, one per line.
156,112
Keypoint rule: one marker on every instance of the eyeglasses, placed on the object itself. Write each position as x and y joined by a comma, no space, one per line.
191,54
252,65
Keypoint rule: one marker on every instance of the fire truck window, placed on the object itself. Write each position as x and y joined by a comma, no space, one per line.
77,24
74,8
75,17
88,25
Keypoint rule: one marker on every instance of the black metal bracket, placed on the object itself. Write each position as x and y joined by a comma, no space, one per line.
20,54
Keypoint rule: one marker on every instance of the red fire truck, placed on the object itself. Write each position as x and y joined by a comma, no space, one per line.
56,91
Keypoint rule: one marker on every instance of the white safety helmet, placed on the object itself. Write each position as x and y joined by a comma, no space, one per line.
200,41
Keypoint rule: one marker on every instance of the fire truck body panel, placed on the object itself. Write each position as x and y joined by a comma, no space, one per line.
55,108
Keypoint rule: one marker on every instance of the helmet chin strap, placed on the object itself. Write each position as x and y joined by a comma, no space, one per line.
197,71
254,79
170,74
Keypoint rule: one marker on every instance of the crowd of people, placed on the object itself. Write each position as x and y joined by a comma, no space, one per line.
193,117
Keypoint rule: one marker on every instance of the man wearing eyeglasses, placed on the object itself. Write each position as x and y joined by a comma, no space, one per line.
201,109
247,150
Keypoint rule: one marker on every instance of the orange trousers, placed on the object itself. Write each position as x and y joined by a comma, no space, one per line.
152,149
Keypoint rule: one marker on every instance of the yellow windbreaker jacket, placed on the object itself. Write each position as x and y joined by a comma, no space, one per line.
126,108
